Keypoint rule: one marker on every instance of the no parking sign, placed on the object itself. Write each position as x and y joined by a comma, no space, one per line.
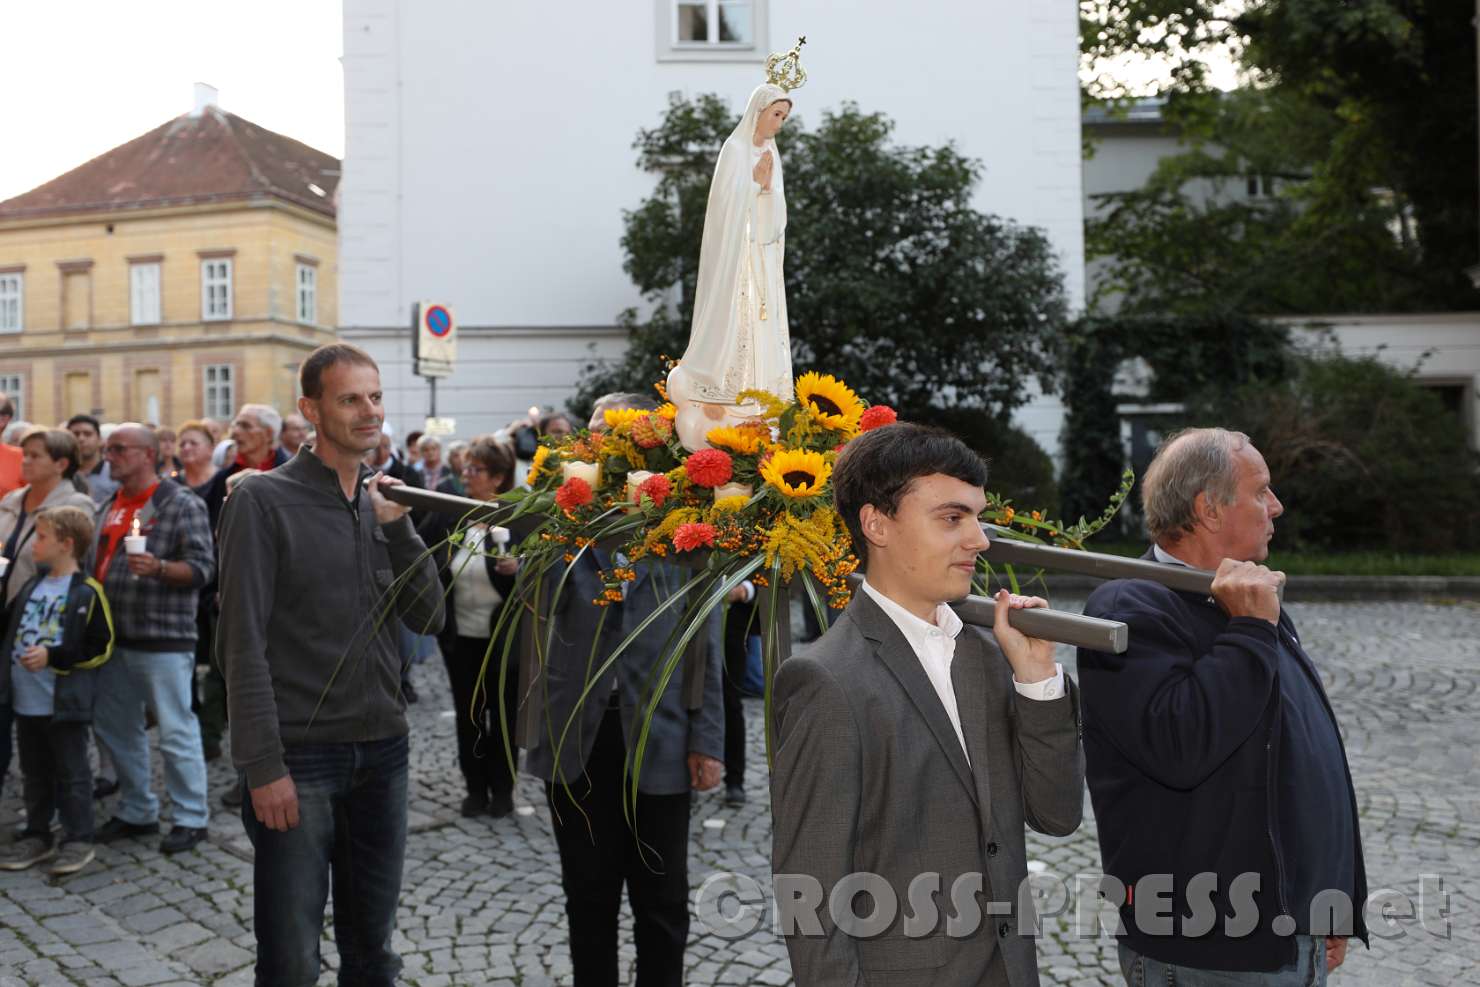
435,339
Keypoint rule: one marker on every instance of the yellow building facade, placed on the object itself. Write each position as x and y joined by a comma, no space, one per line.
168,308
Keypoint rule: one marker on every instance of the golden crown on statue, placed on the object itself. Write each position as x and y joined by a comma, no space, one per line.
784,69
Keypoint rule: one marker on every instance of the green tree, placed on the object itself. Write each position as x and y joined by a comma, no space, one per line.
1363,114
894,281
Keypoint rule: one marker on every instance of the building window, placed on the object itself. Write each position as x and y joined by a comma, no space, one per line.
219,389
711,30
215,289
713,22
12,302
308,294
143,294
12,386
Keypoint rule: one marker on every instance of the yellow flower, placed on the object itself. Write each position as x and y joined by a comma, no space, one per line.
831,402
537,465
668,410
744,441
801,544
729,505
618,417
797,473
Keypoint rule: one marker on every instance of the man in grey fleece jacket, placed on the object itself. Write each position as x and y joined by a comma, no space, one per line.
316,567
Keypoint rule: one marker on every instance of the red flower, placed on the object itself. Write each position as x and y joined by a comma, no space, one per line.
694,535
657,487
710,467
573,493
876,416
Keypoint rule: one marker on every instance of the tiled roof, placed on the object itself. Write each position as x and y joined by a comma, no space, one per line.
210,157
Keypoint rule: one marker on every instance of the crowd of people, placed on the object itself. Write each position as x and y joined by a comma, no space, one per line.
255,587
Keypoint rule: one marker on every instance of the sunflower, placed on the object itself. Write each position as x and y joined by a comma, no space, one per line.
796,473
668,410
537,465
831,401
617,417
741,441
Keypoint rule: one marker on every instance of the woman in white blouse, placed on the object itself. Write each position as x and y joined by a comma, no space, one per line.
478,580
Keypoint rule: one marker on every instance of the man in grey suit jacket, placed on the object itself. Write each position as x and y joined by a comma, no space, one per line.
581,755
911,751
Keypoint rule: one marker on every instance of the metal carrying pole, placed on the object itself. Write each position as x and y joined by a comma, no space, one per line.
1073,629
1008,550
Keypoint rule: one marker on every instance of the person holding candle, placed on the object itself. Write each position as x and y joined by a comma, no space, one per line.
57,634
154,594
477,578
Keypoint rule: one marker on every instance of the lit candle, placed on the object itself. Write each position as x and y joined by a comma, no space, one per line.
636,479
500,537
590,472
733,490
136,543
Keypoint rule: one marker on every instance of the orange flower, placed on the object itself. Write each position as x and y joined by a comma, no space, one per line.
693,535
651,431
573,493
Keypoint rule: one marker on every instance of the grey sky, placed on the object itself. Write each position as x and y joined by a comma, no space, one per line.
86,76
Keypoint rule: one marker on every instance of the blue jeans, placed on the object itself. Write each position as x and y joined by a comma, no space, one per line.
161,680
1308,970
351,826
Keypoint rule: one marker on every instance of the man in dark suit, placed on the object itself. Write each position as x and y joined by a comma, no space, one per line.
585,755
910,751
1217,772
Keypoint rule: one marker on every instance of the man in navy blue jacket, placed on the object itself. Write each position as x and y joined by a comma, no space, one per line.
1219,780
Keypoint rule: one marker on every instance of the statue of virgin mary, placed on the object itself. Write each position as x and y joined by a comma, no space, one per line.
739,339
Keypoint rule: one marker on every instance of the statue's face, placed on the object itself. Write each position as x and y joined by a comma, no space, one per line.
772,117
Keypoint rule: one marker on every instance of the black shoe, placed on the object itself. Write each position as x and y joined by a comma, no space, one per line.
735,794
103,787
474,805
409,691
501,805
232,797
180,839
117,829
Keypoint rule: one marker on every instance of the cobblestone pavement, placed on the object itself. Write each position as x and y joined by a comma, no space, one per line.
482,901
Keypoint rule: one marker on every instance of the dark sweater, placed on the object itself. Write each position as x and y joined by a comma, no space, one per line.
1210,747
311,586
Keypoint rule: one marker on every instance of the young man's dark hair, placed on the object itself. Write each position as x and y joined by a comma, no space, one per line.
311,374
878,467
80,419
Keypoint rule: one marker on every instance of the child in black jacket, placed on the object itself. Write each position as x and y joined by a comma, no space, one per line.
59,630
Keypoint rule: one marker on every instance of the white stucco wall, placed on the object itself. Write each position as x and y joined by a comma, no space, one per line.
488,156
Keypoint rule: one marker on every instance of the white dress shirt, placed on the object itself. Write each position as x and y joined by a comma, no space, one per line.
934,644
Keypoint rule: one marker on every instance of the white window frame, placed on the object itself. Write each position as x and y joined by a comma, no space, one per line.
145,301
13,385
15,295
209,310
306,294
218,391
670,49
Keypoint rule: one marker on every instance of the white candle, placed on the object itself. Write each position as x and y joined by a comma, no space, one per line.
636,479
733,490
590,472
135,544
500,537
